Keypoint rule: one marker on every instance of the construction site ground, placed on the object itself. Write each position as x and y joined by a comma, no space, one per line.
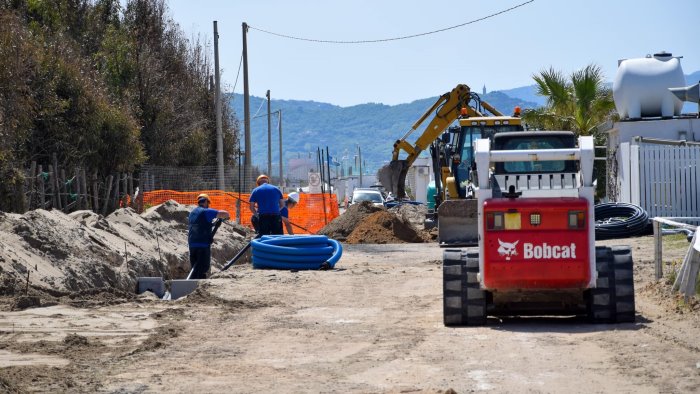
374,324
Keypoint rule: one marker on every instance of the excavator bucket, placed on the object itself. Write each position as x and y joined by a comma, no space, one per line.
393,177
458,223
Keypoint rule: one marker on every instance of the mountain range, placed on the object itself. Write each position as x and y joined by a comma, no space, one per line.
374,127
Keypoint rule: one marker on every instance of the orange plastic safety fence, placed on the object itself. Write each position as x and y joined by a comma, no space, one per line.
309,214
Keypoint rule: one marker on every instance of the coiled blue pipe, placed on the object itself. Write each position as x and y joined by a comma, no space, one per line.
301,252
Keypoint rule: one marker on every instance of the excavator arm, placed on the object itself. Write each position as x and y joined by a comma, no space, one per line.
447,109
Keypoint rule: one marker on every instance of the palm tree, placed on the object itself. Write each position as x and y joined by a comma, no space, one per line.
579,103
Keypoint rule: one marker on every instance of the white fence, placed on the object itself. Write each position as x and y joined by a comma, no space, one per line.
663,179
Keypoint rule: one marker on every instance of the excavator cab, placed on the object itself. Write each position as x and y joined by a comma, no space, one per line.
456,207
452,154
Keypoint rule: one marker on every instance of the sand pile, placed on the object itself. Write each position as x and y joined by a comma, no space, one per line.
384,228
75,253
341,227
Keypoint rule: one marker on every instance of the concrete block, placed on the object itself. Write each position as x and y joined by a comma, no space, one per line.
182,287
152,284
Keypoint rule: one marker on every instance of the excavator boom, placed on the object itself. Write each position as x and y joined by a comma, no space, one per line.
447,109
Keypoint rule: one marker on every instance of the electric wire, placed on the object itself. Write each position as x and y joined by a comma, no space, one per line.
237,75
391,38
262,102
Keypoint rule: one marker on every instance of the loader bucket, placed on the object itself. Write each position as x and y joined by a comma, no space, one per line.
393,177
457,223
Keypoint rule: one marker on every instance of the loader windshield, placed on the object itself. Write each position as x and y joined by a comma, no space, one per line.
538,142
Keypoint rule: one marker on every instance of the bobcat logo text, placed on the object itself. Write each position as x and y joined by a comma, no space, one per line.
544,251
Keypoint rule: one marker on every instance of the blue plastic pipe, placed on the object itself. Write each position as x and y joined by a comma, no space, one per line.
301,252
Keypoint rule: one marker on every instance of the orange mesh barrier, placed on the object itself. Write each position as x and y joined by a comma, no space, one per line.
308,213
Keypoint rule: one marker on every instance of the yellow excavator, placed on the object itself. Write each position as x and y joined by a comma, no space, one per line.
452,156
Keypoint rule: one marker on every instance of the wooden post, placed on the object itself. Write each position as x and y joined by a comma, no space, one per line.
52,183
125,187
144,179
83,189
95,191
76,189
686,278
40,182
57,183
32,184
130,185
279,125
248,163
117,182
105,207
658,246
64,189
217,106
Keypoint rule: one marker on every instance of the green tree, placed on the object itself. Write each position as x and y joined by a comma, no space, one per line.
104,86
578,103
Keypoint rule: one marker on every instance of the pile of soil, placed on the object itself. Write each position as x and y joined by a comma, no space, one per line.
69,255
384,228
341,227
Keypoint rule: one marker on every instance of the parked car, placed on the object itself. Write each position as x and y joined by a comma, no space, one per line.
372,195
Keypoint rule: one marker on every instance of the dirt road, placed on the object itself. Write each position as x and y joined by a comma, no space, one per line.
373,325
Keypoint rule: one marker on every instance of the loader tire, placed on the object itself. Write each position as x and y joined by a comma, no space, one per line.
464,302
612,301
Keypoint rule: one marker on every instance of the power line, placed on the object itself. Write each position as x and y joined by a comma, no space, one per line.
233,91
262,102
392,38
238,74
265,115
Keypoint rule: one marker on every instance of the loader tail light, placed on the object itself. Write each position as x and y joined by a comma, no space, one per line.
494,221
577,219
512,221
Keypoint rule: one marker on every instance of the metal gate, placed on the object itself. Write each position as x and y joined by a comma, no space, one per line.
663,178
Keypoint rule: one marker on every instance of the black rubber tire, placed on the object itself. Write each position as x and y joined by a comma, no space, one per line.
612,301
464,302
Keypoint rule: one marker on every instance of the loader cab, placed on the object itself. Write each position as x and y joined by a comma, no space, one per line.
535,141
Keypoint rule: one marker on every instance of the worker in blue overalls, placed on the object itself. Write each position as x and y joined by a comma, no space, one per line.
291,202
200,235
266,201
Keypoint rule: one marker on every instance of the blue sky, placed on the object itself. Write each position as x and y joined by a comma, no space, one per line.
502,52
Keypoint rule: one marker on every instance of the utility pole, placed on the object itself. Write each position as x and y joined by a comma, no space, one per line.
359,153
282,183
219,132
269,135
247,162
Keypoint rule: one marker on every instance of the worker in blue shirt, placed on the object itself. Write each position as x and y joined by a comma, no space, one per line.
200,235
289,203
266,201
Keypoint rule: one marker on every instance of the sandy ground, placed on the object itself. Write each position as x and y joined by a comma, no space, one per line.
372,325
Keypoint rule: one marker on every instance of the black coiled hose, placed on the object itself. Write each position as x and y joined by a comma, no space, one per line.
619,220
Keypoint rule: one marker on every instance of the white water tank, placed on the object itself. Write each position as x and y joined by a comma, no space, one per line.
641,86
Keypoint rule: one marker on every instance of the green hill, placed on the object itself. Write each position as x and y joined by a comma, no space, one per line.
309,124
